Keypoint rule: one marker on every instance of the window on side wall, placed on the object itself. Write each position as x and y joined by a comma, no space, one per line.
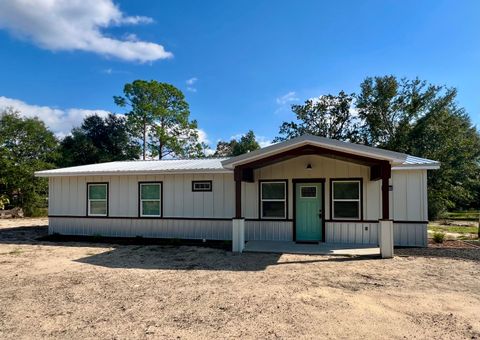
150,199
97,199
346,200
273,200
201,186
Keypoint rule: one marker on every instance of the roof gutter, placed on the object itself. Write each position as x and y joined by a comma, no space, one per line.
47,173
417,167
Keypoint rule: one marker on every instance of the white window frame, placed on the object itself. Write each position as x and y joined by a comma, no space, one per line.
159,200
309,186
194,189
284,200
358,200
97,199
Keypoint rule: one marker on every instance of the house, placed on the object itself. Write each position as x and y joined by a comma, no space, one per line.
309,188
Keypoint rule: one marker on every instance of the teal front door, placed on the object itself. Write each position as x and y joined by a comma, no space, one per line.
308,211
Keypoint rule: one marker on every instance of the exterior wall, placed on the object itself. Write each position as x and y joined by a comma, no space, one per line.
352,232
404,234
129,227
268,230
322,167
410,234
208,215
409,197
408,200
68,195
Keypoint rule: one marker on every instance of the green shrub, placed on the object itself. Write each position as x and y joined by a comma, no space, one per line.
37,212
438,237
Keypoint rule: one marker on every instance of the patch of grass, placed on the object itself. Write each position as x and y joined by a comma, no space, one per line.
37,212
438,237
470,215
454,229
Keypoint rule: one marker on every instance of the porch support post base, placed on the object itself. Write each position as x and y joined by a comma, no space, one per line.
385,238
238,235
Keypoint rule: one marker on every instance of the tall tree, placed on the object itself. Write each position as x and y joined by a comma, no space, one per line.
328,116
26,146
449,137
389,108
415,117
160,117
245,144
410,116
99,140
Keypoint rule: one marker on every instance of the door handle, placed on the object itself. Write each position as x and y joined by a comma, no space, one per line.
320,214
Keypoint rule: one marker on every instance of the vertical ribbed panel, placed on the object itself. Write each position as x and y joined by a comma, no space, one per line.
159,228
268,230
410,234
404,234
351,232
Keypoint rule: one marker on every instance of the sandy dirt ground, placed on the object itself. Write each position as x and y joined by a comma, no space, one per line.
86,290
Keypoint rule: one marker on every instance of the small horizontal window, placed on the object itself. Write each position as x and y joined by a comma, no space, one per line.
308,192
201,185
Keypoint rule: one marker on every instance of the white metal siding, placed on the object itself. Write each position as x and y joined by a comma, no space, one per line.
409,201
68,195
268,230
157,228
322,167
351,232
404,234
410,234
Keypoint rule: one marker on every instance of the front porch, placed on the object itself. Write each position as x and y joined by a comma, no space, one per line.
288,247
312,193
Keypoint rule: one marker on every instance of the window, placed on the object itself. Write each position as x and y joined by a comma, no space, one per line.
150,199
346,196
273,199
201,185
308,192
97,199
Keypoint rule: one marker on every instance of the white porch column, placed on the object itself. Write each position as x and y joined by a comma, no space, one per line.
385,238
238,235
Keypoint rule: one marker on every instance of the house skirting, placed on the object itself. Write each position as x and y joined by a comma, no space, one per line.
411,234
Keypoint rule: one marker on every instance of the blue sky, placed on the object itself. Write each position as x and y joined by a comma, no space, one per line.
247,61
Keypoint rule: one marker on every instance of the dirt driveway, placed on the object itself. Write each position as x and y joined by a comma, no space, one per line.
85,290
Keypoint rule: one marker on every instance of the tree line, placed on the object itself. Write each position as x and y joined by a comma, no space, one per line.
409,116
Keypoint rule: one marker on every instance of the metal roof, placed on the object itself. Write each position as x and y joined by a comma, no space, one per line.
211,165
399,161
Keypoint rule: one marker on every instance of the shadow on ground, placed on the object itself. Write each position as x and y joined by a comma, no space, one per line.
199,258
141,253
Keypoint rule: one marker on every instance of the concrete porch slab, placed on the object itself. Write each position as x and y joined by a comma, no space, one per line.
311,249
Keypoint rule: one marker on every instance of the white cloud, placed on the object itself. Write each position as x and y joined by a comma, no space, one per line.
264,141
111,71
60,25
60,121
203,137
286,98
191,81
190,84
